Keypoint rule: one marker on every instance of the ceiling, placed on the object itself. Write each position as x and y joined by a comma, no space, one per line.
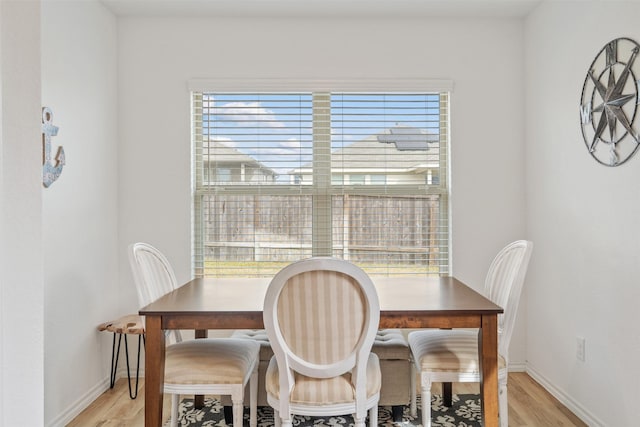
324,8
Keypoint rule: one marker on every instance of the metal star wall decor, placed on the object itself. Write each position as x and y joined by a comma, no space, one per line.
609,104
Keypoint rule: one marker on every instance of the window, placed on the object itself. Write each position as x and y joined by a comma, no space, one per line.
357,179
223,174
360,176
378,179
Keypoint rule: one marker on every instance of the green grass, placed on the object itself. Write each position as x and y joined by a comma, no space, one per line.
270,268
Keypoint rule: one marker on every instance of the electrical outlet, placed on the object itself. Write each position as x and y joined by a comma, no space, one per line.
580,343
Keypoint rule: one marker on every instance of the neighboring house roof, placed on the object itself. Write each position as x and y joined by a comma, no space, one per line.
381,153
221,153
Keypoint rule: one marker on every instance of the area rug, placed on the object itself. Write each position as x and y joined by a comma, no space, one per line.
465,412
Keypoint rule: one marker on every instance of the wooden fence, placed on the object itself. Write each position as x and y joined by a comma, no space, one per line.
371,229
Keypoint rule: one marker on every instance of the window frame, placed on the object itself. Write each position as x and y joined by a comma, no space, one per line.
326,87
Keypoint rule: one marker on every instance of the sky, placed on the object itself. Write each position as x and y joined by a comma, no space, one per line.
276,129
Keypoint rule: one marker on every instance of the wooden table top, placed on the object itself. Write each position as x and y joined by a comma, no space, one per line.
402,295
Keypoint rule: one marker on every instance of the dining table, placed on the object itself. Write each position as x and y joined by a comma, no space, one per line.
412,302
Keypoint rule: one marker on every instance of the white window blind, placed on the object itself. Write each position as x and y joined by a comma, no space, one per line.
283,176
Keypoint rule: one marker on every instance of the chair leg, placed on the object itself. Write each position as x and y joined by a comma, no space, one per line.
412,382
373,417
228,415
237,412
277,421
253,397
447,394
426,401
503,405
175,400
396,413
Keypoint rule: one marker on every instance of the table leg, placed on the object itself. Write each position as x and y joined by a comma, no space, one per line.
447,394
154,371
198,399
488,349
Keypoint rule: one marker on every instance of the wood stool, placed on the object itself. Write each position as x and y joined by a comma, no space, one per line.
131,324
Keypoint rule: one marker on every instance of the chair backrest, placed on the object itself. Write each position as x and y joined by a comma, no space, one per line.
503,286
321,316
152,273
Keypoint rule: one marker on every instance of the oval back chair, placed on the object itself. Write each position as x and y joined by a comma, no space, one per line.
321,316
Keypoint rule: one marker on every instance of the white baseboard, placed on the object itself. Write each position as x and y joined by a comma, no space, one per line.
79,405
87,399
575,407
517,366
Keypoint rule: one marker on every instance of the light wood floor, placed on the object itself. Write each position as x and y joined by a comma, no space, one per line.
529,405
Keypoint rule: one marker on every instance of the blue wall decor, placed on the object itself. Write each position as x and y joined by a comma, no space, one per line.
50,171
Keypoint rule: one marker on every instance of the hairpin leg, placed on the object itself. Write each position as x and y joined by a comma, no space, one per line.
126,349
114,359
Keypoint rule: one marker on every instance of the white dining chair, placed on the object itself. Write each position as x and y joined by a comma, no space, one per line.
220,366
321,316
452,355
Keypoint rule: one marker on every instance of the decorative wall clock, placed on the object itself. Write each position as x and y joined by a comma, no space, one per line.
609,104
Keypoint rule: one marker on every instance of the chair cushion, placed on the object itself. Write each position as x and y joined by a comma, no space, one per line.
210,361
335,390
391,345
447,350
259,335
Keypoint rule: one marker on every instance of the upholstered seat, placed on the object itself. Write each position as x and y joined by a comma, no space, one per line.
392,349
449,351
260,336
336,390
390,344
209,361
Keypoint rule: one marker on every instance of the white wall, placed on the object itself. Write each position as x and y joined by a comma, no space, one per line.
157,56
79,83
580,215
21,270
583,217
